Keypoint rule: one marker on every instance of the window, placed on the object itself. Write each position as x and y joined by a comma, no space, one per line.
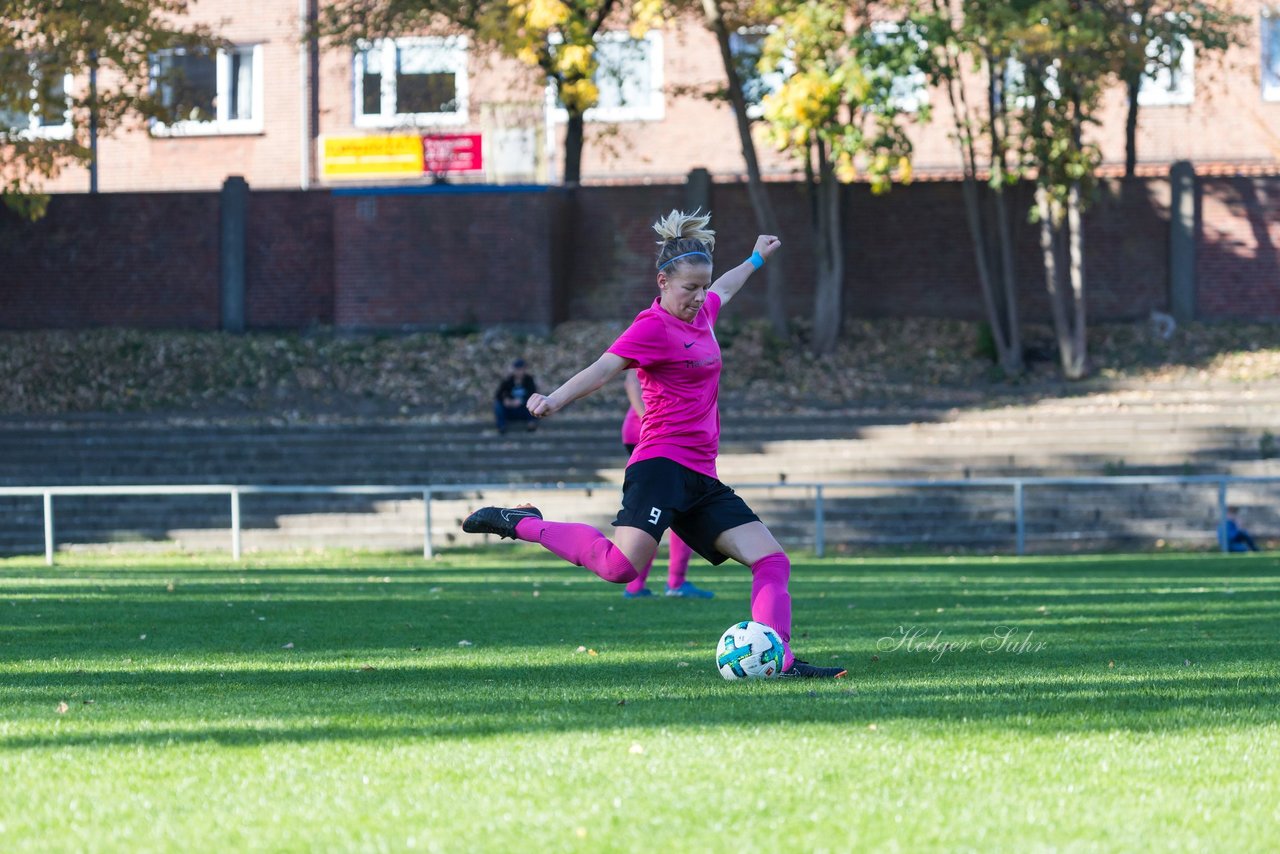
1271,55
1170,76
45,111
1015,87
747,46
628,77
907,92
209,93
411,81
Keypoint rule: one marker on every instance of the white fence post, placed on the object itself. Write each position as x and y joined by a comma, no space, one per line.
48,528
1020,517
1222,516
426,534
235,524
819,522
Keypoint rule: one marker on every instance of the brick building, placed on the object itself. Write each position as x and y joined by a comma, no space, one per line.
286,115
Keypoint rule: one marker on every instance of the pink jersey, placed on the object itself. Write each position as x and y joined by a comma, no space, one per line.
679,372
631,427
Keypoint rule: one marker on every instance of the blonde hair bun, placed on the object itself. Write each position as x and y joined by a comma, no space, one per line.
679,225
686,239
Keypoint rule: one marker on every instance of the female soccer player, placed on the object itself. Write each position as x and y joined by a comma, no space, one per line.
671,477
678,583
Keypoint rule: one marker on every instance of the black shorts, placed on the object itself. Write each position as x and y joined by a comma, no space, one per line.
659,493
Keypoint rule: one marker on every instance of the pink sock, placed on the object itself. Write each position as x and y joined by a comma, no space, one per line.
637,584
770,601
581,545
678,566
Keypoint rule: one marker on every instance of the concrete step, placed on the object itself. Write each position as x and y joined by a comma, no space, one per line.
1125,431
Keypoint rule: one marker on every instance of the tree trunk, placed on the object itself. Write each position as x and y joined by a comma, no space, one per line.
1076,363
1132,84
766,219
1010,283
1066,299
1004,324
1050,240
573,150
973,215
1010,360
828,311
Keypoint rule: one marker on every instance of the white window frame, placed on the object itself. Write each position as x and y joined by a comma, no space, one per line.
450,56
221,125
1270,18
774,80
918,97
654,110
34,130
1157,87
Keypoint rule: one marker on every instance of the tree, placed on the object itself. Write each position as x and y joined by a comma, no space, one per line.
42,46
1152,38
841,115
556,37
766,218
1066,67
975,46
1046,64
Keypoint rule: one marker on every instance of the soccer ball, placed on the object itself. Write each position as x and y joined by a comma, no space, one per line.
749,650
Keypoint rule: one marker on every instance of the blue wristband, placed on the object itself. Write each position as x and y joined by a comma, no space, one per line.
757,260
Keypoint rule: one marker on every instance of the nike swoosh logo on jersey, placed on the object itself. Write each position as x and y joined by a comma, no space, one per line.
690,344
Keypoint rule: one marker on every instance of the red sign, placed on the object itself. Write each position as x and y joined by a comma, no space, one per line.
455,152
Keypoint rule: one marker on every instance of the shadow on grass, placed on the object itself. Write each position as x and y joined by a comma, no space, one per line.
1129,644
435,703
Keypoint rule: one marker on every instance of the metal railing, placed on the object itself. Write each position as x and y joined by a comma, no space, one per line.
429,493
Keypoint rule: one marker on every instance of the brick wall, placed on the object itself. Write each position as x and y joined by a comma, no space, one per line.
1238,258
907,253
436,259
532,257
147,260
289,260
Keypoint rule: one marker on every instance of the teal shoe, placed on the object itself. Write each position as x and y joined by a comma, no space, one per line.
639,594
688,591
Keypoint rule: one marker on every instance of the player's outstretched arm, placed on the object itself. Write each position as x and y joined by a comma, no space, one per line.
731,282
582,384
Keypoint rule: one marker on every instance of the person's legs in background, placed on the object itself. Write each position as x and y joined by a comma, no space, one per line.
678,583
503,415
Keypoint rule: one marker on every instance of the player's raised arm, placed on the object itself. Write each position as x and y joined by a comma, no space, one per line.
731,282
583,383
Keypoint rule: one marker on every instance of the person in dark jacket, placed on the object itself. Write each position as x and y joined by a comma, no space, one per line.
1232,537
513,394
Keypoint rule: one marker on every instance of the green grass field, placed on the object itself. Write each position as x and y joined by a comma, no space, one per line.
501,701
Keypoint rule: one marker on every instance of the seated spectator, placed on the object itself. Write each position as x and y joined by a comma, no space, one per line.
513,394
1233,538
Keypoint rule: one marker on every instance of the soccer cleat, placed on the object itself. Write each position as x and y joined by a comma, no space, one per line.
805,670
499,520
639,594
688,591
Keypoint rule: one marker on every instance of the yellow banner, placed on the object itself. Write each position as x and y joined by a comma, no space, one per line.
389,156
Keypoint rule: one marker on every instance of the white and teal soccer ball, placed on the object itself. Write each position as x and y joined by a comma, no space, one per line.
749,650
